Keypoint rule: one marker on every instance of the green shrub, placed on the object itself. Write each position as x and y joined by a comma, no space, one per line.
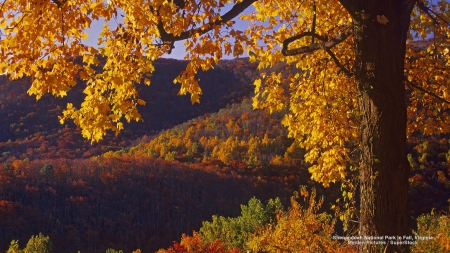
235,232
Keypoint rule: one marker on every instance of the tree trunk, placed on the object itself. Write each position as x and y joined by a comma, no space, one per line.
379,72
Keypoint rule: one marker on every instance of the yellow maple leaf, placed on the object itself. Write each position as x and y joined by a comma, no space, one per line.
195,98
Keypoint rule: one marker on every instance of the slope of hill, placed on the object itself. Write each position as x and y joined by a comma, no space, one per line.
236,133
256,139
30,129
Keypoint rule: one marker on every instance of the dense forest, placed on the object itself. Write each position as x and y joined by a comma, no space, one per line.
185,168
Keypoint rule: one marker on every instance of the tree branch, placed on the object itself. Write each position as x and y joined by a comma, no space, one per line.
325,44
428,11
17,24
3,4
286,42
428,92
232,13
338,63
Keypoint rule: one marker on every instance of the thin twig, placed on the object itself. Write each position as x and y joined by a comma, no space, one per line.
426,91
18,23
3,4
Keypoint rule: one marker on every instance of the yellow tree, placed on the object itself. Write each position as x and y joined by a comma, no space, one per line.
356,63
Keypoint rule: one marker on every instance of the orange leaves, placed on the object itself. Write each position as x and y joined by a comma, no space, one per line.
301,227
321,101
196,244
141,102
43,40
195,98
189,84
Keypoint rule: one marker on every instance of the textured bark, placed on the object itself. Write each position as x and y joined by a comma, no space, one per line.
379,71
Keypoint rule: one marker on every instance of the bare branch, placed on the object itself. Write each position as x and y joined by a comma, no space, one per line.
428,92
325,44
232,13
286,42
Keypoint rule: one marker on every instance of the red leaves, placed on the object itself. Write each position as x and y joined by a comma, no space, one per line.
195,244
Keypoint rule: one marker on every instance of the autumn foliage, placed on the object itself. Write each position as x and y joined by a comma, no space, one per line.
123,203
435,233
237,133
195,244
59,197
299,229
349,81
29,129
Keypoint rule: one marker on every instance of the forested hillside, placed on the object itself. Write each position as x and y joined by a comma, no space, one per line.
239,134
30,129
128,203
49,184
236,133
162,177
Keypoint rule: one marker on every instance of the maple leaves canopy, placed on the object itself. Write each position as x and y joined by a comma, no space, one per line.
42,39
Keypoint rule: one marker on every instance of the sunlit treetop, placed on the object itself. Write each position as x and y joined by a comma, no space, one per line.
42,39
